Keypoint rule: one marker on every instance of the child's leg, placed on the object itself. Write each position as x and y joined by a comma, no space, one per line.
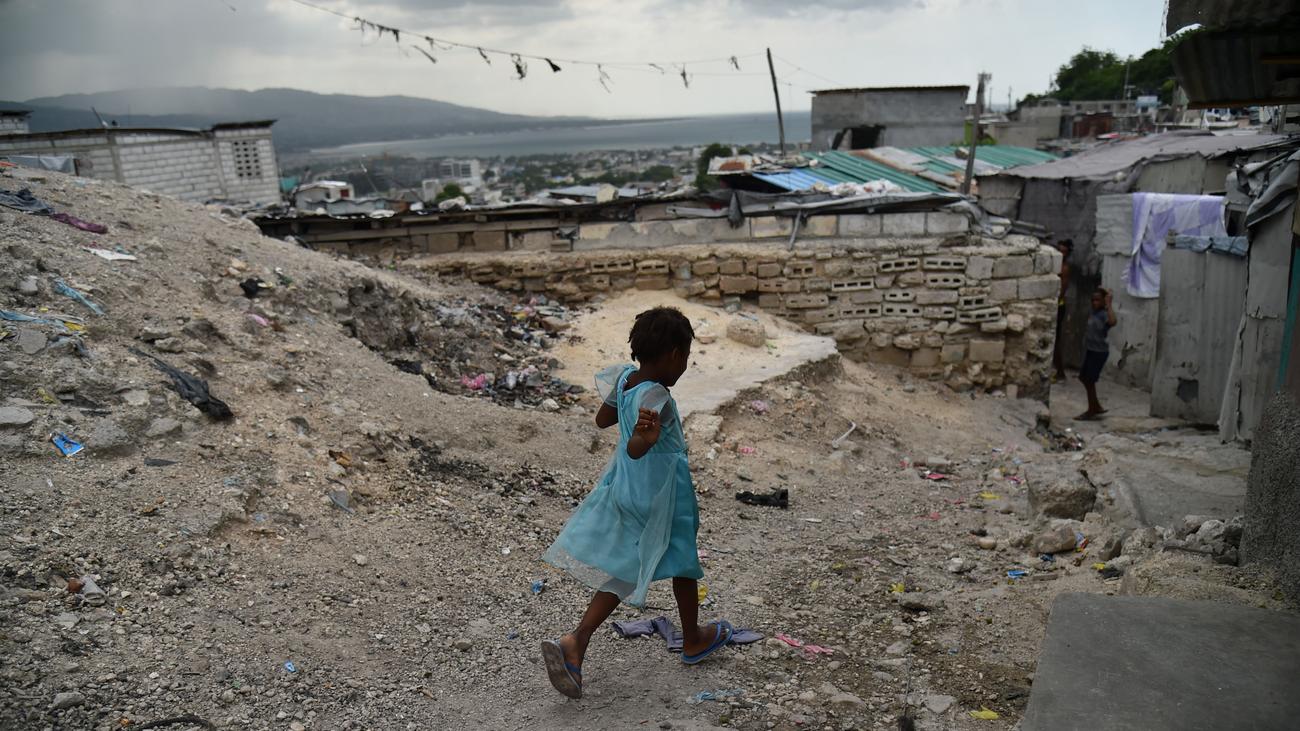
695,639
574,644
1094,406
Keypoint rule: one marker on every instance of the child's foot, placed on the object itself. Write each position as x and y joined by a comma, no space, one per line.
574,649
706,639
563,661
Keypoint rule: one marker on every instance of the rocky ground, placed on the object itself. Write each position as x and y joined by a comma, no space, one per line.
357,546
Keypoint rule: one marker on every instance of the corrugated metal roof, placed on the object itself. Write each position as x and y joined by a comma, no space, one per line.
862,171
1003,156
955,87
800,178
1105,160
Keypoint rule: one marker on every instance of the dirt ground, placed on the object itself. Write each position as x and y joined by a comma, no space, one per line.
358,547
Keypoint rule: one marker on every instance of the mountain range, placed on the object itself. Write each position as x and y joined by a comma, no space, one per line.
304,119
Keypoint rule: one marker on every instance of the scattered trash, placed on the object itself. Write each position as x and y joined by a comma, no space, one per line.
512,635
109,255
342,500
259,320
717,695
787,639
62,288
1017,573
539,586
936,476
477,383
897,588
837,441
24,201
747,450
90,591
71,220
986,495
760,407
288,665
66,446
1047,558
253,287
176,721
191,388
933,515
777,498
1110,572
984,714
664,627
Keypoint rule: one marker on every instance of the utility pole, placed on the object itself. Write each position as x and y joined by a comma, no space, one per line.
975,135
780,121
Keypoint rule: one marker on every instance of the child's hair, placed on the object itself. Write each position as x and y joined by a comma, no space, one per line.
658,331
1067,244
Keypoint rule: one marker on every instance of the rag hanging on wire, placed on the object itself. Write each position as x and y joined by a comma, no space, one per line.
554,66
686,79
521,68
603,78
426,54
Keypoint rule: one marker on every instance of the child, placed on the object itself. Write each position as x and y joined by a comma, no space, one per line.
638,525
1100,321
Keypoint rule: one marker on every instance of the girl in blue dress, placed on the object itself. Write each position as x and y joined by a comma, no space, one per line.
639,524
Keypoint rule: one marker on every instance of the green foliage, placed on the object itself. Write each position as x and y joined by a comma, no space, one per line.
449,191
985,139
703,180
1092,74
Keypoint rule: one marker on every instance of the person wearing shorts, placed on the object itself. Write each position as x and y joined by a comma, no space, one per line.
1096,350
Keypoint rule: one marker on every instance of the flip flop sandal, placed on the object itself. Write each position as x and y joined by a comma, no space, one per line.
565,677
720,640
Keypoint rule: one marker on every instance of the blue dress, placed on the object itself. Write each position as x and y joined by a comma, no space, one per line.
639,524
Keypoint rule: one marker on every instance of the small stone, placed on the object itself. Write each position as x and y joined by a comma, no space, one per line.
170,345
64,701
31,342
1055,540
29,286
919,600
228,696
360,559
463,645
15,416
988,543
297,726
551,405
959,565
846,700
747,332
937,704
162,427
555,324
67,620
899,648
135,397
151,334
108,437
706,337
665,724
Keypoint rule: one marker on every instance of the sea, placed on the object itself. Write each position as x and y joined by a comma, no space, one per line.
736,129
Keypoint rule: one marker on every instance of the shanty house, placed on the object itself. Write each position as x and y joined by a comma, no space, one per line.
855,119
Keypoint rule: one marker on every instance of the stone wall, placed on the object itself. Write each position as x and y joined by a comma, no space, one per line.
1272,531
973,312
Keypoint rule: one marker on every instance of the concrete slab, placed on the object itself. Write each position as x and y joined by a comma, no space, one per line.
1152,664
718,370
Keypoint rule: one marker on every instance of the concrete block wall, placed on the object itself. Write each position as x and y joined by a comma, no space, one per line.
262,188
971,312
185,167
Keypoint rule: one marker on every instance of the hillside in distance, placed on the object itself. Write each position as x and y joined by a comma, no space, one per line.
304,119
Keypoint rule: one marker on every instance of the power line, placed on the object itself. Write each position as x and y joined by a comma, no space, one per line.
433,41
804,70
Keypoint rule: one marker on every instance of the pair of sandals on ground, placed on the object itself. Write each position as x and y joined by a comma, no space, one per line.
567,678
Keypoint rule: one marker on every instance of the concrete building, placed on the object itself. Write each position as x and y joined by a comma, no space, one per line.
231,162
905,116
462,172
13,121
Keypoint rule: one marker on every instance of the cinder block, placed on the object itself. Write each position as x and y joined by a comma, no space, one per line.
652,266
1040,287
770,302
925,358
910,279
860,224
900,310
769,269
489,240
859,310
806,301
690,288
780,284
972,301
852,285
975,317
953,353
819,226
864,269
907,341
903,224
732,266
654,281
1047,261
894,266
987,351
596,231
945,281
800,269
1004,290
936,297
816,284
837,268
766,227
944,264
938,312
738,284
705,266
945,222
1013,266
866,296
814,316
900,296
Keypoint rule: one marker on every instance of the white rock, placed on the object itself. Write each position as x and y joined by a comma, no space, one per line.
747,332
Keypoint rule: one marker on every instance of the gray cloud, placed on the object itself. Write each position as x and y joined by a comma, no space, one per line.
789,8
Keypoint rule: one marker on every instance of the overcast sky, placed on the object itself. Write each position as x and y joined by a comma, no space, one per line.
51,47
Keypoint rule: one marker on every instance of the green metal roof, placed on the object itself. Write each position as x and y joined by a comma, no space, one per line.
858,170
1004,156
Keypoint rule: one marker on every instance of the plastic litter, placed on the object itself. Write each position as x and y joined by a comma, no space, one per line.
477,383
66,446
717,695
897,588
837,441
191,388
289,666
110,255
936,476
155,462
986,495
259,320
759,406
777,498
701,592
71,220
1017,574
253,287
985,714
62,288
747,450
539,586
91,593
342,500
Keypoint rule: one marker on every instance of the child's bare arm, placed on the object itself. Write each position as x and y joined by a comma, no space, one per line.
645,435
607,416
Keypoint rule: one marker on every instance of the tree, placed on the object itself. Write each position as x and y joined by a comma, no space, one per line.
1093,74
703,180
449,191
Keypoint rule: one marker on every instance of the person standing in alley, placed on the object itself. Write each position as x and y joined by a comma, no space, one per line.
1065,246
1096,350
